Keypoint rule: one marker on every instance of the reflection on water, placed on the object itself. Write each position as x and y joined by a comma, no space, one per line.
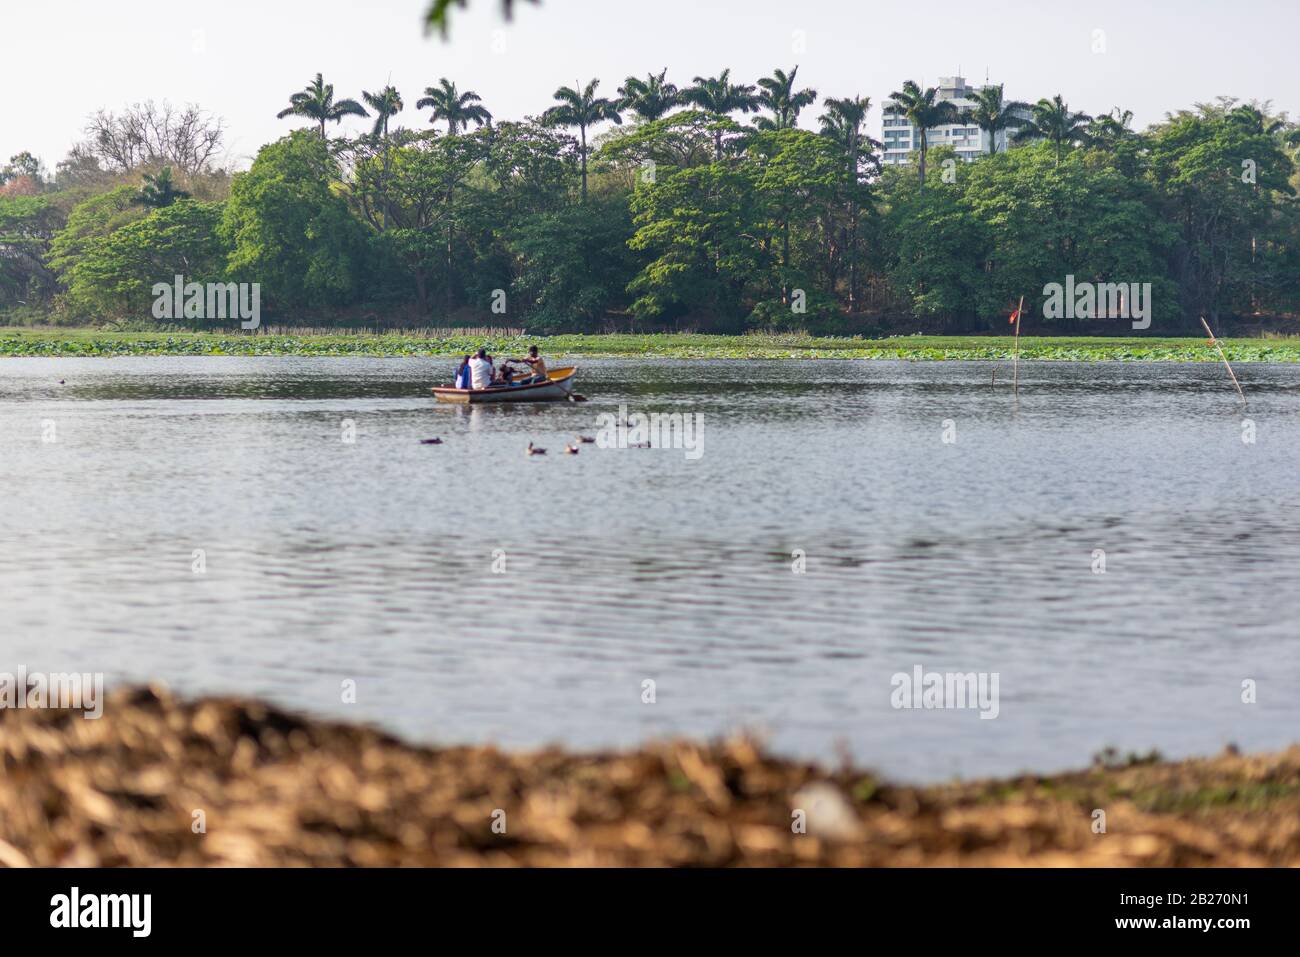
374,560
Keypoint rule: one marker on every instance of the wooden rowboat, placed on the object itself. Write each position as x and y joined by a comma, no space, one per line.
558,385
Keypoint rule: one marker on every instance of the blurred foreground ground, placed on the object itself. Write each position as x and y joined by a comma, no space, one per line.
277,789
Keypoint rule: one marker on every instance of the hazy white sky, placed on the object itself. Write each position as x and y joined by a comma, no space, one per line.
62,59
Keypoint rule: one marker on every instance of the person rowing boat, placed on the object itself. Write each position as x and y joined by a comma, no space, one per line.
536,363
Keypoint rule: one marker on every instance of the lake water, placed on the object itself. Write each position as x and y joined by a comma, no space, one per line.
373,560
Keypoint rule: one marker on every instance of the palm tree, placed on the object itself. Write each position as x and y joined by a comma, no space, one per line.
386,103
317,102
1053,121
1256,121
159,190
650,98
779,95
992,114
582,109
920,108
458,109
842,122
718,96
1110,130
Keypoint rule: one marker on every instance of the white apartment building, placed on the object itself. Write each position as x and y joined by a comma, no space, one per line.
900,138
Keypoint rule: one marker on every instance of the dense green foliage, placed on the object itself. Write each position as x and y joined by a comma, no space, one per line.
287,228
659,209
117,273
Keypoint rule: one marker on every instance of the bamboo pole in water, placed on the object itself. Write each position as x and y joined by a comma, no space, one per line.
1015,355
1215,342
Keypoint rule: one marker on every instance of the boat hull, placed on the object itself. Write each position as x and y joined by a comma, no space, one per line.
556,388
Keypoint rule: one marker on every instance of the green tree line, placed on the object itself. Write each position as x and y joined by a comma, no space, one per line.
706,206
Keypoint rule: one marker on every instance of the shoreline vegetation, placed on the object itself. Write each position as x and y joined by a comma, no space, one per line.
724,204
61,342
279,789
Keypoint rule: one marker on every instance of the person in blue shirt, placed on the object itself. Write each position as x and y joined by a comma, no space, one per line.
462,374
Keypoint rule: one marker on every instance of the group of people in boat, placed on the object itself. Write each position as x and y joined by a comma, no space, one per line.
480,372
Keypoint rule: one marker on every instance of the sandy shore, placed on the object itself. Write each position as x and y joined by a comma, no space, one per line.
160,781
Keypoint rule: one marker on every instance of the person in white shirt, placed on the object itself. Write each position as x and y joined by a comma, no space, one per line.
480,370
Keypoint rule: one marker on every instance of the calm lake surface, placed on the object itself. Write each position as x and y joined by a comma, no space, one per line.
373,560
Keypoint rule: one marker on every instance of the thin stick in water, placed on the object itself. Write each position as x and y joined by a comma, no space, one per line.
1015,355
1215,342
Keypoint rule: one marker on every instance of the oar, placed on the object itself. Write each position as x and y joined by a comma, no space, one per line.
1215,342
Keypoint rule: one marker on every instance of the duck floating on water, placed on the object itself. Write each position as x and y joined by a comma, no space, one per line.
534,450
585,439
570,450
433,441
